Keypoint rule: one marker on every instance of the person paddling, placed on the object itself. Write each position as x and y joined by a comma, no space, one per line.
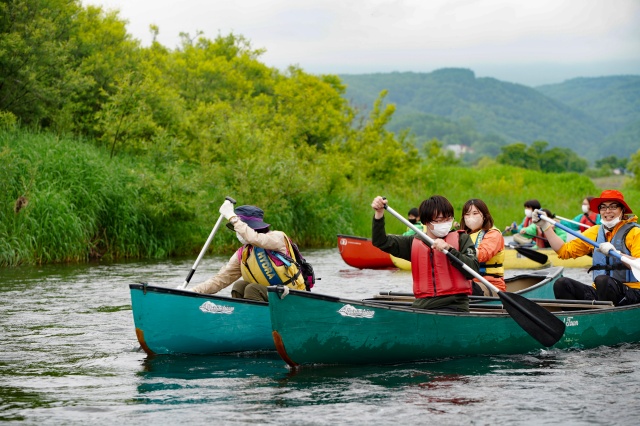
489,242
613,279
413,217
437,283
529,207
588,217
257,262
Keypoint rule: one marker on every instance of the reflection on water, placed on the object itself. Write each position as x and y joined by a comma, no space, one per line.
68,354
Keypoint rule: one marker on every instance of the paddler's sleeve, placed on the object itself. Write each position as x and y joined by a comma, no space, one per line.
396,245
228,274
467,254
272,240
492,243
578,248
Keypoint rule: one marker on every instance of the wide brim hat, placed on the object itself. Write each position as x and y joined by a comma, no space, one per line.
609,195
252,216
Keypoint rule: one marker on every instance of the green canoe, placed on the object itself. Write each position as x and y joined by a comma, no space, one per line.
535,284
311,328
174,321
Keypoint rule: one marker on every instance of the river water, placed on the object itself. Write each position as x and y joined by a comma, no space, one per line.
69,355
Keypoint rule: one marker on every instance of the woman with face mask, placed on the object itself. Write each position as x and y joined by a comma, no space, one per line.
437,283
529,207
489,242
534,233
588,217
612,279
263,259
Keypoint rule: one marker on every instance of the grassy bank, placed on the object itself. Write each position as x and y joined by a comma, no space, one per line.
66,200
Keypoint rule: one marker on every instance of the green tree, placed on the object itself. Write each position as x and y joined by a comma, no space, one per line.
37,70
612,162
437,155
537,157
518,155
634,167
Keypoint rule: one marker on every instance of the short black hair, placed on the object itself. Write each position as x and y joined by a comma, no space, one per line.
534,204
430,208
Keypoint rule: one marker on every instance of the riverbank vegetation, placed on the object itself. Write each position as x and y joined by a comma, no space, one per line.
111,150
66,200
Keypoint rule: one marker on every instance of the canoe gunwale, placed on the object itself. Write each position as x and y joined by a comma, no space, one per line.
378,305
187,293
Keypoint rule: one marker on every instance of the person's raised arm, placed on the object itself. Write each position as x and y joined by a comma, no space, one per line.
554,240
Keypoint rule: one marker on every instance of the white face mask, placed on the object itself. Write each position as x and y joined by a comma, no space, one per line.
585,209
610,223
441,229
528,212
242,240
474,222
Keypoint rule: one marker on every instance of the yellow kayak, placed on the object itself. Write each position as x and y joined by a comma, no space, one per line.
514,260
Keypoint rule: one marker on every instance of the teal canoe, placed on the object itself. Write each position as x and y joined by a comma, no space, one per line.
174,321
310,328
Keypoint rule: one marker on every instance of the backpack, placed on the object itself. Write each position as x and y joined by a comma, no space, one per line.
305,267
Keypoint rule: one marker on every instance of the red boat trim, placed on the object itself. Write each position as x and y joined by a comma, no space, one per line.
143,344
281,350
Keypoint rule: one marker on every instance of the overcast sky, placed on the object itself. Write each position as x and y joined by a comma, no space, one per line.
530,42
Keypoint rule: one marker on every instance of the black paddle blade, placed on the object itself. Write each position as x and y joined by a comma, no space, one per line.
541,324
536,256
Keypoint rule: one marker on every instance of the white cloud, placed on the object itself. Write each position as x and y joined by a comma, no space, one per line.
407,35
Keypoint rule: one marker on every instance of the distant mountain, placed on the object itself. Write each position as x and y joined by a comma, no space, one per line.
594,117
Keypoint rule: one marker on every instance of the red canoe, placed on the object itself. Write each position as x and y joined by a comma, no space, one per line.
360,253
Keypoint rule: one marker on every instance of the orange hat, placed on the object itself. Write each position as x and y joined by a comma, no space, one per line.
609,195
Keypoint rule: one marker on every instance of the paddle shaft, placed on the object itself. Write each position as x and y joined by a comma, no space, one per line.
206,246
634,264
584,225
429,241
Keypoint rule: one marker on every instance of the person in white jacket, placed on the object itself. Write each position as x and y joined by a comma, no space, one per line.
263,260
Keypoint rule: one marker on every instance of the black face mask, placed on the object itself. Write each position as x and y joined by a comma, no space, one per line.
413,221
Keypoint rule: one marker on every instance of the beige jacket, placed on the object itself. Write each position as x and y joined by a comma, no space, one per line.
229,273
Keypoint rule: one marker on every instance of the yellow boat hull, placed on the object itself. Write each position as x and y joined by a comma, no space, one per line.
514,260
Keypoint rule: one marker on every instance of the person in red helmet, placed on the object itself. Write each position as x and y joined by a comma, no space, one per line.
613,280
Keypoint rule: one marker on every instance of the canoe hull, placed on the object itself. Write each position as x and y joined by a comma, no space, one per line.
360,253
514,260
317,329
172,321
535,284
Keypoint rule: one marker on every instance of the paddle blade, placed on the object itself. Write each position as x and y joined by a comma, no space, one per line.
536,256
633,264
541,324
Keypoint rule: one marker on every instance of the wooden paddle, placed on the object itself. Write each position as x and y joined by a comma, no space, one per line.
541,324
206,246
634,264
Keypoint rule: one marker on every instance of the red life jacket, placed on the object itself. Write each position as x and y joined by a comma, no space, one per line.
589,219
540,242
433,274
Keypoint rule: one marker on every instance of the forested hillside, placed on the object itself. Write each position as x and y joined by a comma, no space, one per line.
614,102
456,107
